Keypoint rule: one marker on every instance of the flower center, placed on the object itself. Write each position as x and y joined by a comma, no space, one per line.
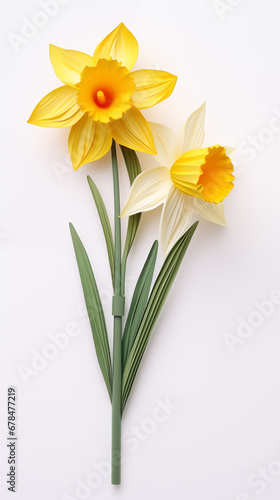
105,90
205,173
103,99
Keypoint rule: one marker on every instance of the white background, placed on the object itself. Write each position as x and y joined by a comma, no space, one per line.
224,433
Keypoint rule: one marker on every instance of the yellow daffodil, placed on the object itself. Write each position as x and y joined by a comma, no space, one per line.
190,178
101,98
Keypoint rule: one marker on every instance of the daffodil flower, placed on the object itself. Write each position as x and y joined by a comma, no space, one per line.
190,179
101,98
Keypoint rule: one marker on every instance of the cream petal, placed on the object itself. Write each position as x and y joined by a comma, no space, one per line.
192,136
164,139
175,219
68,64
88,141
121,45
214,212
148,191
230,152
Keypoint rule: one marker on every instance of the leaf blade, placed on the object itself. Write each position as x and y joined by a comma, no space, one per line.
94,309
131,162
104,219
155,303
138,302
133,169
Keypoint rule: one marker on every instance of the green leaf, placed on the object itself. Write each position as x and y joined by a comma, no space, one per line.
132,228
104,219
155,303
133,169
94,309
131,162
138,302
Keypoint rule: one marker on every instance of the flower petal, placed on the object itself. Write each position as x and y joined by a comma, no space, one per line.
148,191
59,108
205,173
133,131
164,139
214,212
192,136
68,64
88,141
121,45
175,218
152,86
230,152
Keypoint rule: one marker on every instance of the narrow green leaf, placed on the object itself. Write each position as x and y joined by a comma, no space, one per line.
94,309
104,219
133,168
155,303
131,162
132,228
138,302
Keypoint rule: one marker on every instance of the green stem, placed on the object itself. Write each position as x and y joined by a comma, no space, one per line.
118,303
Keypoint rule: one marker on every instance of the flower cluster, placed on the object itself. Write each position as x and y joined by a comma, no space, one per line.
101,100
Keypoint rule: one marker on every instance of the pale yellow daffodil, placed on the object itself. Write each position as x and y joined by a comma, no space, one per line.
101,98
190,179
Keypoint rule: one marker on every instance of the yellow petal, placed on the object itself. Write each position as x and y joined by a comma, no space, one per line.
205,173
152,86
59,108
192,136
214,212
105,90
148,191
68,64
186,170
121,45
216,179
133,131
175,219
88,141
